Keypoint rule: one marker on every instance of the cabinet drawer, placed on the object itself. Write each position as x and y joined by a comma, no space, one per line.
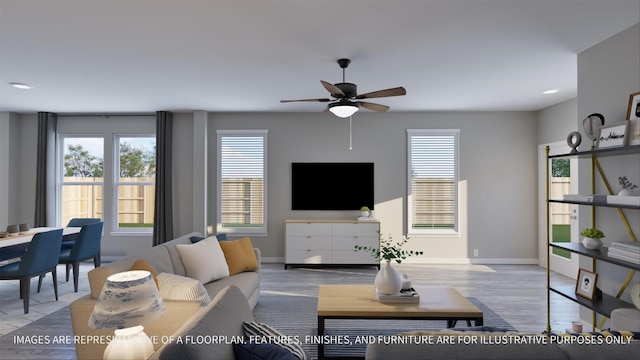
307,229
359,229
348,243
308,242
308,257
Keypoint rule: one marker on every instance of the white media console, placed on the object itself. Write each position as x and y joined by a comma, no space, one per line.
329,242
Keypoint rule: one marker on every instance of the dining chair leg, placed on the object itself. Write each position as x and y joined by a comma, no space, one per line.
54,275
76,275
68,269
25,281
40,281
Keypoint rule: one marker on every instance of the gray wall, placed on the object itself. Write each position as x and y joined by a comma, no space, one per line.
607,74
497,175
556,122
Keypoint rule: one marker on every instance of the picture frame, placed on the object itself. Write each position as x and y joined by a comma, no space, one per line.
586,284
613,135
633,110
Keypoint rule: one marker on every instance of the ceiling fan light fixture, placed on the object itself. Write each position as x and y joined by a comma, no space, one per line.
343,109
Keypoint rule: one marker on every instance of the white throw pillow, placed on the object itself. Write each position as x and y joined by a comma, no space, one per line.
176,287
204,260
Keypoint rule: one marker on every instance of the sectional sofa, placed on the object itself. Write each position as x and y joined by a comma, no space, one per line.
162,259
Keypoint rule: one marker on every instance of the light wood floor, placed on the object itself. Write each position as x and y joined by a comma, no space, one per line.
515,292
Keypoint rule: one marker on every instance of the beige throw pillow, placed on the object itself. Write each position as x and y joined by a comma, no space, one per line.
204,260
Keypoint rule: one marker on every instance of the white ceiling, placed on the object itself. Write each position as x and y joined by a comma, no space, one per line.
102,56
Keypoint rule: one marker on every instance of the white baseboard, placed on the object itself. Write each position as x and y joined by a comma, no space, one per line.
471,261
441,261
272,260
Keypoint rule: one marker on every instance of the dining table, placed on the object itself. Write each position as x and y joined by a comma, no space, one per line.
18,242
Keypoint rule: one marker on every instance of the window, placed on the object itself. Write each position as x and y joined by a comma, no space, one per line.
135,182
433,181
82,180
242,180
120,189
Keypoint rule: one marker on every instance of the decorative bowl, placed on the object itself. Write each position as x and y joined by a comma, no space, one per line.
13,229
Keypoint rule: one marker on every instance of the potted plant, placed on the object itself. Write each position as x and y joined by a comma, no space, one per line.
592,238
388,280
628,189
364,211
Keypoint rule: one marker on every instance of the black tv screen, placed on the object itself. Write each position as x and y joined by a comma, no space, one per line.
331,186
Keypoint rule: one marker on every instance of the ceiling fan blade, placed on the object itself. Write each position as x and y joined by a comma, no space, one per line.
314,100
396,91
373,106
332,89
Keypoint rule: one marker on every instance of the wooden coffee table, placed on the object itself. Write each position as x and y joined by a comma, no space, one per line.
360,302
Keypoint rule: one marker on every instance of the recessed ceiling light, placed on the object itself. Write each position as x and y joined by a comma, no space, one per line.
551,91
22,86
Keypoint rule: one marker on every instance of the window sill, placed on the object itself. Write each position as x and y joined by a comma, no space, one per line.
439,234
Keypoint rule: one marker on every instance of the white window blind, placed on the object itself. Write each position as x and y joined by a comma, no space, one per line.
242,181
433,179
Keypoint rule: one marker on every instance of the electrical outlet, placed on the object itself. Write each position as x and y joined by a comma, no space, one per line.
475,252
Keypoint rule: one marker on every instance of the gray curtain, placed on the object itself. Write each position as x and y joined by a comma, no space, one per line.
163,215
45,170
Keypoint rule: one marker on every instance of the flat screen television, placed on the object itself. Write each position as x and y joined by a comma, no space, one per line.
331,186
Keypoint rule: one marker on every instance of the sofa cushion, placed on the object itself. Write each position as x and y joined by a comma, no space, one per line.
176,287
264,331
174,255
222,318
157,256
239,255
142,264
195,239
252,351
204,260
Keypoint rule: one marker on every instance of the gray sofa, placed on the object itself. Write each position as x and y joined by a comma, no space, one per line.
222,318
163,258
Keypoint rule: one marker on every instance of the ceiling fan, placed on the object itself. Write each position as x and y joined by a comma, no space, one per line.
346,98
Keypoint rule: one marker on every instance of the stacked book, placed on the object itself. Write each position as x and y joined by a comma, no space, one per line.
626,251
409,296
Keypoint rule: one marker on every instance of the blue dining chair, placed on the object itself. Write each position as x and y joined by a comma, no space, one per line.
79,222
85,247
40,258
11,255
69,240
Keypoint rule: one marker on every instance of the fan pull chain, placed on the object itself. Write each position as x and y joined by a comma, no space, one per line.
350,148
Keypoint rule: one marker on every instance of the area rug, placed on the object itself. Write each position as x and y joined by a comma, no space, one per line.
291,314
295,316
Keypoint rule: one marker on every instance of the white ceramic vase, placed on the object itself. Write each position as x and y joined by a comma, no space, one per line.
591,243
364,214
388,280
